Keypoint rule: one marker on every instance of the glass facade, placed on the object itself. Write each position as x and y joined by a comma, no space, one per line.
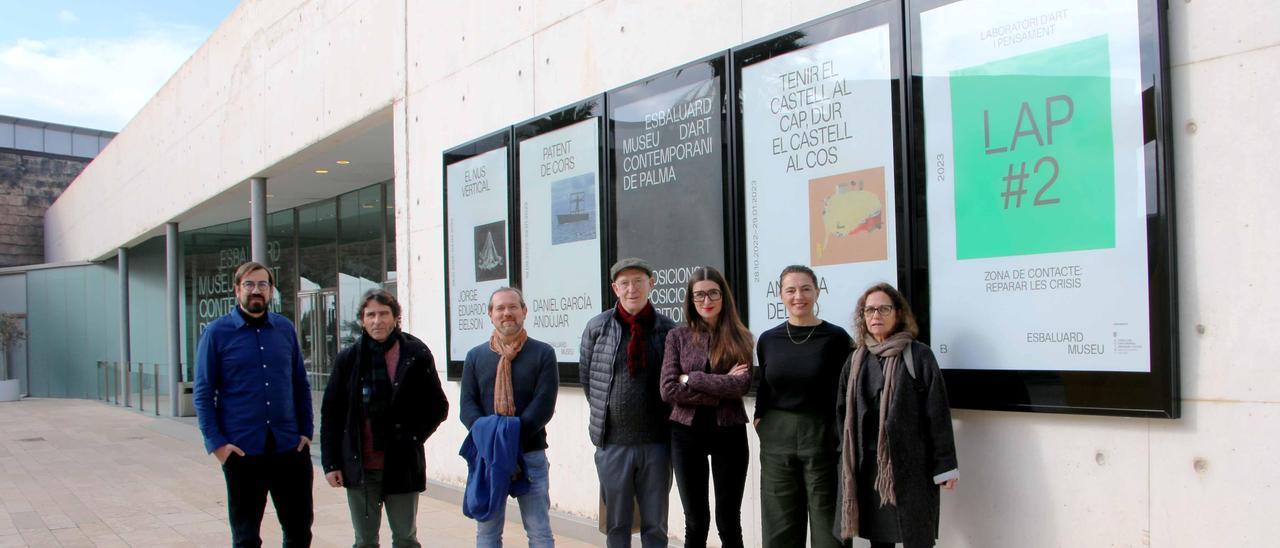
211,256
324,255
360,263
281,251
317,246
390,231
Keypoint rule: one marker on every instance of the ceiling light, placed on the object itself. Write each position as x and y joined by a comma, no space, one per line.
321,171
342,162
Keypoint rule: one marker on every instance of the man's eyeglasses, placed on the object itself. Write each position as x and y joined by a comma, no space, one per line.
699,296
250,285
882,310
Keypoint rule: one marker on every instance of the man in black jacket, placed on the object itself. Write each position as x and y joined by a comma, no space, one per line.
382,402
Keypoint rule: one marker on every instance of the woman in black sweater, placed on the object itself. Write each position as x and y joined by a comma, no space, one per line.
800,362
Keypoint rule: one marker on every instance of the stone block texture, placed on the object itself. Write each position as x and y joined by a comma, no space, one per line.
29,183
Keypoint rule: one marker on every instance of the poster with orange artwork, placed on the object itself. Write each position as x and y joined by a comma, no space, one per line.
847,218
818,166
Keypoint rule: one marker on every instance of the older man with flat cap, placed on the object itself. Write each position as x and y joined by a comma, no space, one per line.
619,366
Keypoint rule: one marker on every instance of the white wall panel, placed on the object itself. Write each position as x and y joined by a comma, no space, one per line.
1214,479
448,37
614,43
1227,224
1047,480
1200,31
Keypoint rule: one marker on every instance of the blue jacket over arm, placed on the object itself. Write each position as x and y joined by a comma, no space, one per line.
494,466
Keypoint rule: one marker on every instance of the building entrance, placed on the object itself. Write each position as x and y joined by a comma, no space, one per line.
318,336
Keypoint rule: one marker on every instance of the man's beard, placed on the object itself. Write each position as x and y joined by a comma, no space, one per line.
255,305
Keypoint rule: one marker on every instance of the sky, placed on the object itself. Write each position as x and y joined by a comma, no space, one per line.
95,63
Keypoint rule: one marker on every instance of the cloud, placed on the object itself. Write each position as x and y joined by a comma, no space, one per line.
98,83
67,17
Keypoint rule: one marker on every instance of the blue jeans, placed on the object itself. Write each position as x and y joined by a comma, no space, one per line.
534,509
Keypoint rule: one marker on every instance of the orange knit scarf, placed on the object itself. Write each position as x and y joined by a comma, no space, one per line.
507,348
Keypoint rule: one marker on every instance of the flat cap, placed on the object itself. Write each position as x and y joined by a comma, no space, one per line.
629,262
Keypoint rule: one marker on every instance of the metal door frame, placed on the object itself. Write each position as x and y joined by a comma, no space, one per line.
315,300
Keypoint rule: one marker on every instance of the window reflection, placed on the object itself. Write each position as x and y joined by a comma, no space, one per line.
317,231
324,255
360,262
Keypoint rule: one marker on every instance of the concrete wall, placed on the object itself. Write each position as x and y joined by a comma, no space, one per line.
281,75
274,78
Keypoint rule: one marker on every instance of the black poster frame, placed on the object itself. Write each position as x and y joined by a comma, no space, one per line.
593,107
487,143
839,24
1155,394
711,66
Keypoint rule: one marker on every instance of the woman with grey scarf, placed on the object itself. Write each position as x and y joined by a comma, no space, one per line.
896,446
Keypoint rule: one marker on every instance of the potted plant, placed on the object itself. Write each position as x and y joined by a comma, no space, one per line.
11,334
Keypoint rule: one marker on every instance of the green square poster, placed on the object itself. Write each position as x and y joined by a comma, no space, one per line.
1034,161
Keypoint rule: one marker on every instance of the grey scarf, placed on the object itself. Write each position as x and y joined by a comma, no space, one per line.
889,352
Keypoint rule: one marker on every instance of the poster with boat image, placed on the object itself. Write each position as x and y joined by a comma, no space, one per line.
477,244
559,202
573,209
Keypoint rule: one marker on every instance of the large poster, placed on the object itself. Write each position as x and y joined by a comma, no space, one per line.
669,160
478,252
818,161
1036,185
560,234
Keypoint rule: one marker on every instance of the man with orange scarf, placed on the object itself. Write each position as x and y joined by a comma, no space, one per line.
515,376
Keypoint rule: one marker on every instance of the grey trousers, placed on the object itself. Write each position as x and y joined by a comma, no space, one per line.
635,474
366,503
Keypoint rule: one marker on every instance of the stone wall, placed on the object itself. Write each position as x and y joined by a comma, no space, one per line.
29,183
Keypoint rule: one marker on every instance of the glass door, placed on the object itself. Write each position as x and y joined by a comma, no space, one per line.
318,335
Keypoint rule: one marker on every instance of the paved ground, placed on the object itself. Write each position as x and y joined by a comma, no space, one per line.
84,473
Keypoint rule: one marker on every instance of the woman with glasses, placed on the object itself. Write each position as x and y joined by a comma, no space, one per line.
800,362
897,447
705,373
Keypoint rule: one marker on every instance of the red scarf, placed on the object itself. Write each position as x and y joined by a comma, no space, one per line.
640,325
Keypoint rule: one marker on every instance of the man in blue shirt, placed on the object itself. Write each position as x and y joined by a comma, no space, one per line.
253,404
